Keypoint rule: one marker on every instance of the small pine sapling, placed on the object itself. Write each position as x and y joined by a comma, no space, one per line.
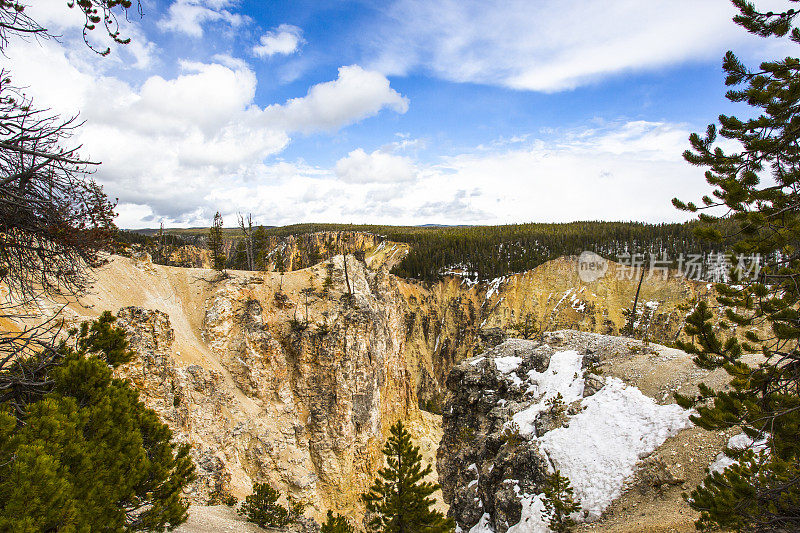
559,503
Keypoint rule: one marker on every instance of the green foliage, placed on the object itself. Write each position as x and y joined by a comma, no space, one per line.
758,492
327,283
399,500
432,404
493,251
337,524
87,454
262,507
219,498
511,435
559,503
525,328
555,406
101,338
216,243
466,434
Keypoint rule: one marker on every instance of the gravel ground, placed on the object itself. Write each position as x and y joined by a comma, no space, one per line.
210,519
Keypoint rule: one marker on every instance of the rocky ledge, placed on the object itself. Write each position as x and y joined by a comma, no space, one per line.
526,408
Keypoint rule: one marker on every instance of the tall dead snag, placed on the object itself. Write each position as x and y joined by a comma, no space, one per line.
247,229
344,261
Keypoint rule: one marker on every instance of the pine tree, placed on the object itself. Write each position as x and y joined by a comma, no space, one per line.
337,524
262,507
525,328
760,491
559,503
216,244
399,498
85,454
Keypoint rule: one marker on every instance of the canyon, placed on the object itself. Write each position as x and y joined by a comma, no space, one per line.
294,377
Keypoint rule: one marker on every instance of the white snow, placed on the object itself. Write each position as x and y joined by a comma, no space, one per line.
563,375
477,361
483,525
515,380
531,520
737,442
494,287
599,450
507,364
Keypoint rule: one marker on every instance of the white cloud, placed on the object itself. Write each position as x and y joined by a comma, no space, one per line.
622,171
550,45
377,167
177,145
189,16
617,171
285,40
354,95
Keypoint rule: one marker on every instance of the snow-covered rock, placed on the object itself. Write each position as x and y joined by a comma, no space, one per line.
523,410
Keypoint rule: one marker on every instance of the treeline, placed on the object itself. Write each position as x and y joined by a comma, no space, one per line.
486,252
475,252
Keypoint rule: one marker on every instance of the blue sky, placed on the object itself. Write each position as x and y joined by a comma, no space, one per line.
407,111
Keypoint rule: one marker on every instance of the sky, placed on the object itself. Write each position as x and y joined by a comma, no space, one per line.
392,112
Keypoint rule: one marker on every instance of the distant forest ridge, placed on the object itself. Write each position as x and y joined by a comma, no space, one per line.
487,252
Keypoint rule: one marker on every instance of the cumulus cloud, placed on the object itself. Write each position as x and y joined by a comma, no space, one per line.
284,40
571,175
377,167
549,45
577,175
173,144
189,16
356,94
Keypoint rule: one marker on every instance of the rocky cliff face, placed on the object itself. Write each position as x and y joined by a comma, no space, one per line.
596,408
454,319
291,380
295,252
303,386
189,257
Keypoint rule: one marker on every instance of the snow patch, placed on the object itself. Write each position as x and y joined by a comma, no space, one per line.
599,450
563,376
494,287
532,520
483,525
737,442
507,364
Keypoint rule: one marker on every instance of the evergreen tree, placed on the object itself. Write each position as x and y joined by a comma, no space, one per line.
337,524
526,327
760,491
216,244
399,498
85,454
559,503
262,507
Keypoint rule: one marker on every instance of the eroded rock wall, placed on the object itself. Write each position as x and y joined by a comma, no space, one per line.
308,381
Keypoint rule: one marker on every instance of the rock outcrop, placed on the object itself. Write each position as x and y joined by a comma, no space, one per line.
304,383
454,319
294,252
527,408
